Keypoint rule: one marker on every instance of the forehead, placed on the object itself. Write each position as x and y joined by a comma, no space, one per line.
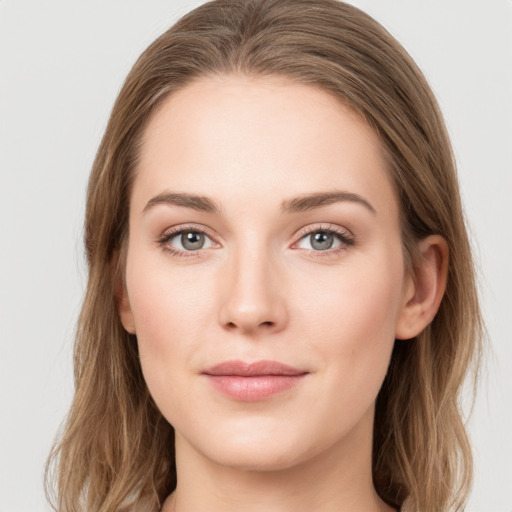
259,136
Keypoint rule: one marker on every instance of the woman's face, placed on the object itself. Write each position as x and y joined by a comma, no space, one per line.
263,229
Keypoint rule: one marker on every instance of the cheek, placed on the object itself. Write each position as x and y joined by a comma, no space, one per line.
170,315
351,319
166,300
362,297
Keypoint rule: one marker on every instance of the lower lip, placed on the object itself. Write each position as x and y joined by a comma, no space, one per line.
251,389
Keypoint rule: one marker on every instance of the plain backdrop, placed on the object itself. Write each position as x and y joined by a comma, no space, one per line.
62,63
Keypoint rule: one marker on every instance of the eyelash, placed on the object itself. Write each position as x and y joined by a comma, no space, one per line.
344,236
172,233
346,239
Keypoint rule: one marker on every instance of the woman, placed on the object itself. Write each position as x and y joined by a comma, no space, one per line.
281,305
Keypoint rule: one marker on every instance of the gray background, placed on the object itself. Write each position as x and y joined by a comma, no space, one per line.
61,65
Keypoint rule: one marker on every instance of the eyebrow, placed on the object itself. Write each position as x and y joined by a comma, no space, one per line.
195,202
295,205
319,199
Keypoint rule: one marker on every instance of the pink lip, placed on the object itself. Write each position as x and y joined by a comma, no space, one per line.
253,381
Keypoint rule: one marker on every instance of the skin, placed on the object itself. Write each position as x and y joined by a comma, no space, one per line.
259,290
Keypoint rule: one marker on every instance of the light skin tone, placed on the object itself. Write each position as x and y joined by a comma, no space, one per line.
227,260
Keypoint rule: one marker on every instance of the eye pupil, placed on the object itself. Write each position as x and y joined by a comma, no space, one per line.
192,240
322,241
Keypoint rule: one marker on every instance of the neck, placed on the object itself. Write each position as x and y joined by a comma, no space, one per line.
338,479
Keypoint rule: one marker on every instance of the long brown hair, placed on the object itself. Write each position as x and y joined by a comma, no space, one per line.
116,448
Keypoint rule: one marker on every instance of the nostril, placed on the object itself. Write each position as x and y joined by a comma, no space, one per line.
234,325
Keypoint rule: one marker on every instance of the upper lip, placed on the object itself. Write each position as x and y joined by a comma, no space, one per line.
258,368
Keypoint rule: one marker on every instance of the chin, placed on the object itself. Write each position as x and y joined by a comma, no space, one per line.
261,449
249,446
255,458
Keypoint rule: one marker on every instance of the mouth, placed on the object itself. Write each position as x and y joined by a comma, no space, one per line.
251,382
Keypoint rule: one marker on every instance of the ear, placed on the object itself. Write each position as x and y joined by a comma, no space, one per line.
424,288
121,293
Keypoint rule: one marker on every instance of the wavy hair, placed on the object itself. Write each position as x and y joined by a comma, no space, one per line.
115,450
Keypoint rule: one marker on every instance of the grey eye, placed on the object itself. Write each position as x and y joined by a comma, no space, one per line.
192,240
321,240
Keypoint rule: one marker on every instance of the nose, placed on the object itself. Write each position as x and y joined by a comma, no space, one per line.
253,297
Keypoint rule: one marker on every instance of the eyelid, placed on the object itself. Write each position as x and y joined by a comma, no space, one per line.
345,236
329,228
174,231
